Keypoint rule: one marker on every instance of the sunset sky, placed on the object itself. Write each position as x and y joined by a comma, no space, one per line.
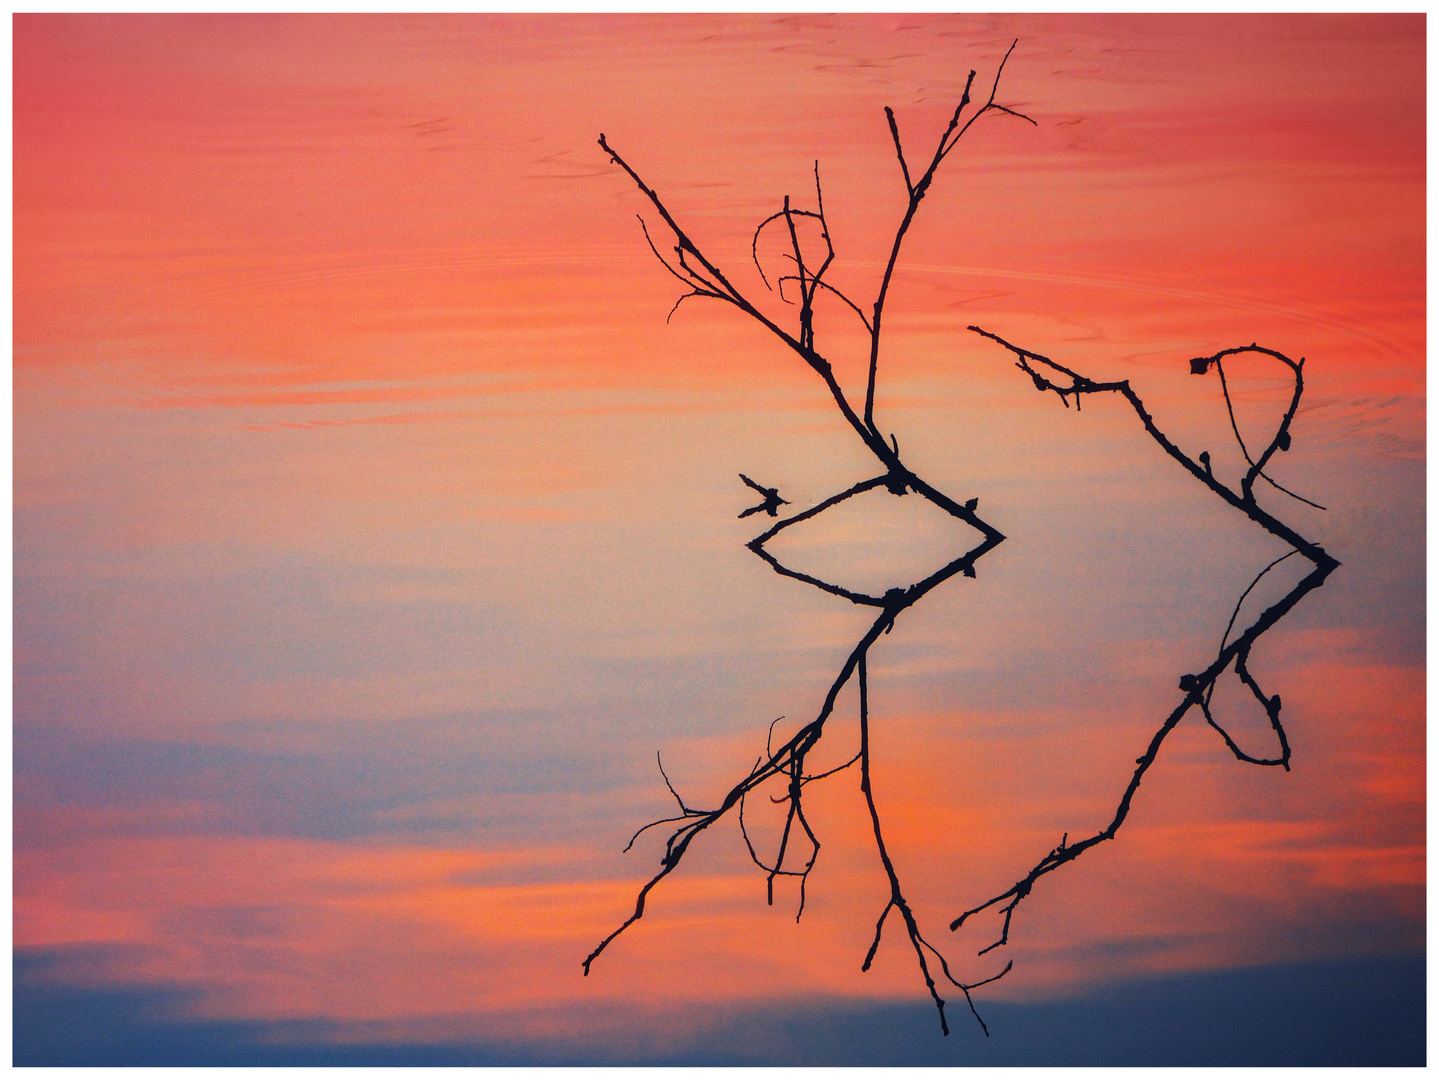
373,529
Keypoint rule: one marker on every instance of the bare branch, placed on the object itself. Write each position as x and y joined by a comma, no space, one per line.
1198,689
1012,112
896,898
916,194
1244,595
645,828
1240,754
683,808
681,300
788,759
829,772
688,280
1244,503
1194,687
714,279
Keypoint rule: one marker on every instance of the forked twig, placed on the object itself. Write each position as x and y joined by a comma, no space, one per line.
917,190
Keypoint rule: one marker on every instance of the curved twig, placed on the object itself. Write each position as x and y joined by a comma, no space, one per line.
828,288
754,242
1281,437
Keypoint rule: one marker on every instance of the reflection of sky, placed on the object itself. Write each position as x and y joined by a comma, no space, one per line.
372,530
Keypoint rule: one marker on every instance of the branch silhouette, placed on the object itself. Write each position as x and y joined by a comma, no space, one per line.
788,761
799,846
702,277
800,286
1198,688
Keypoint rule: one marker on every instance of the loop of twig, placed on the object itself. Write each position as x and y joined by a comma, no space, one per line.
1281,440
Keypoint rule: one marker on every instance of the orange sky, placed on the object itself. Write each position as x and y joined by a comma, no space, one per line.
373,529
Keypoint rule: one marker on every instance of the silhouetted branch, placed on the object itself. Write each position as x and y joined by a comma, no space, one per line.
1281,438
704,278
835,590
1195,687
830,772
645,828
788,760
917,190
714,283
769,736
792,752
819,508
1271,709
1198,689
1245,594
896,896
1244,502
1241,669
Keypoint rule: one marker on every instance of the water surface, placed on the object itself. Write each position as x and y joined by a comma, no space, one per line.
373,530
